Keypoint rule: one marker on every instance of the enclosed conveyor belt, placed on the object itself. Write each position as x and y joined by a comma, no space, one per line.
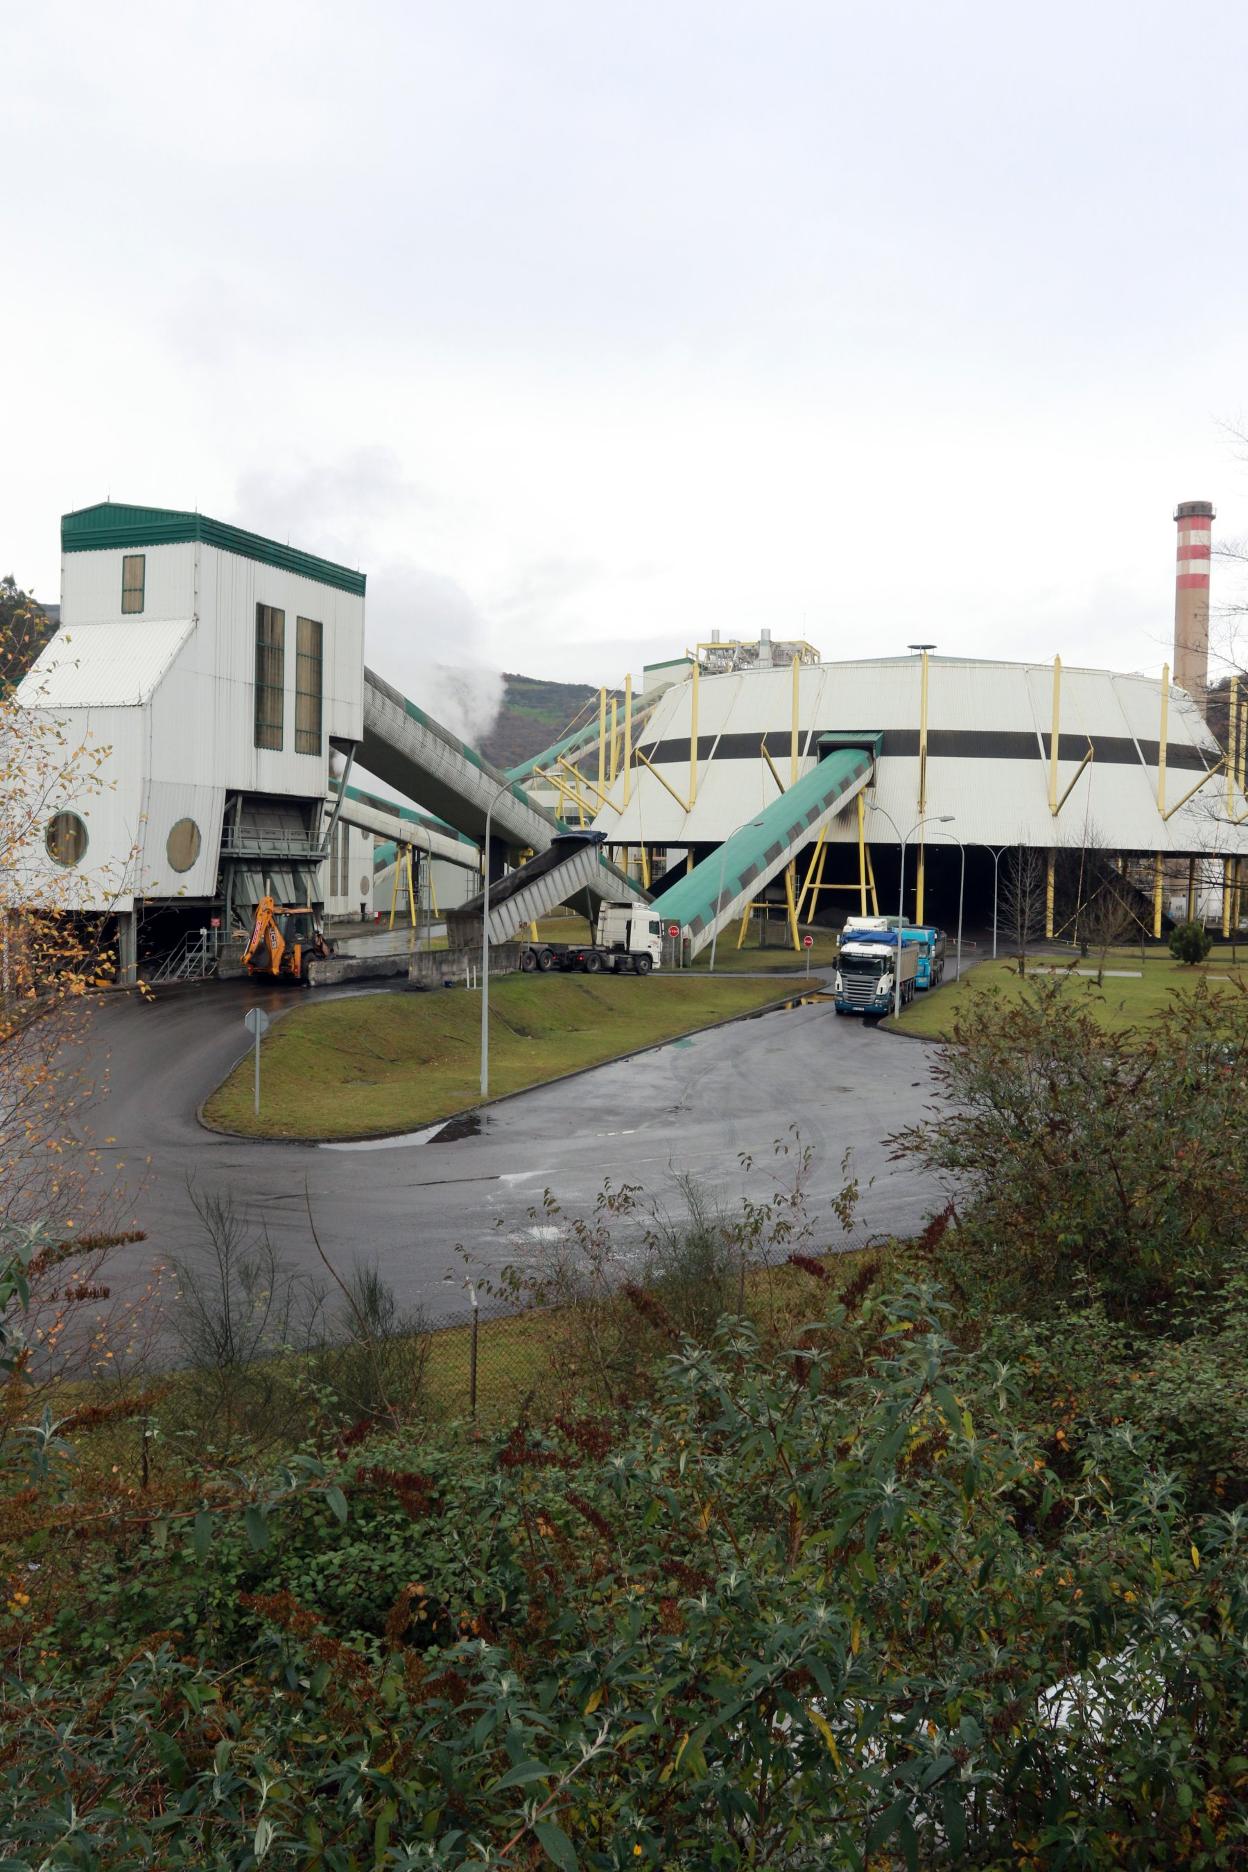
388,820
718,890
420,759
572,868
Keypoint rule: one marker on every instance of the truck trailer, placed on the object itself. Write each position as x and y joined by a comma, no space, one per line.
628,939
925,937
866,969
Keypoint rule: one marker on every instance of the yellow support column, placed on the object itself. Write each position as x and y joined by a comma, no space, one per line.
875,895
1226,898
1159,876
693,737
601,775
1161,744
1191,889
613,760
645,868
862,858
1236,892
920,882
812,870
791,907
1232,747
1050,880
1056,734
628,738
745,924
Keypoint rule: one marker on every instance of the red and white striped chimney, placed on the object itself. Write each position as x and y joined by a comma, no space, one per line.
1191,598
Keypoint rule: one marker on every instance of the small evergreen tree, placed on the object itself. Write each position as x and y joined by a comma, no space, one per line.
1190,943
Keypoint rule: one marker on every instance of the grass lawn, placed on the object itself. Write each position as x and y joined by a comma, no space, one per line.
1122,1001
778,955
371,1064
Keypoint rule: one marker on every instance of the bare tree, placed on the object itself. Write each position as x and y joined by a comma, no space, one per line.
1022,900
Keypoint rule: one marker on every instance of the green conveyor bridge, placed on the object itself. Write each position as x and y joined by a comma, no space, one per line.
717,891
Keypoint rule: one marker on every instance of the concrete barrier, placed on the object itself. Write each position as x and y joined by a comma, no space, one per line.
435,968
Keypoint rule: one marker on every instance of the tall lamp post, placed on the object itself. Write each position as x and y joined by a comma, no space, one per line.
961,892
928,819
720,891
485,945
996,859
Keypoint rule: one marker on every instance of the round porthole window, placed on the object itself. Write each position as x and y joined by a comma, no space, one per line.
366,885
182,845
66,838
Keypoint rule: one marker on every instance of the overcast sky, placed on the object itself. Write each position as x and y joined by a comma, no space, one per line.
587,328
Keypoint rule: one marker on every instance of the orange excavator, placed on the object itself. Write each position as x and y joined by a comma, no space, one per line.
283,941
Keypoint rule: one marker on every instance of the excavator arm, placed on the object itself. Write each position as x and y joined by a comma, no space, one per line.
266,944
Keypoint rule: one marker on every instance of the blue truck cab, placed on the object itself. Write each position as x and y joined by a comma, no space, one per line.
930,943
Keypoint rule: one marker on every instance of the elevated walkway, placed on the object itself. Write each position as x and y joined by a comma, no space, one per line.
571,868
715,892
420,759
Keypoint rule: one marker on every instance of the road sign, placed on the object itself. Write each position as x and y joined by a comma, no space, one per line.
255,1020
808,942
673,929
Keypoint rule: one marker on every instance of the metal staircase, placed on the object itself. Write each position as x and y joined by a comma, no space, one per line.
195,958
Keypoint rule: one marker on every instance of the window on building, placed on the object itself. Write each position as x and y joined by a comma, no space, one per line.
66,838
270,675
309,635
133,577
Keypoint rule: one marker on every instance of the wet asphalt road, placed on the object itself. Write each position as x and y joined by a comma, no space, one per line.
693,1107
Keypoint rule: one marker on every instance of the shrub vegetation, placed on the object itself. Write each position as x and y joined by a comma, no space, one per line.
935,1556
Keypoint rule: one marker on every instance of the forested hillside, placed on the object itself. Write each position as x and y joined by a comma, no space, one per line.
535,713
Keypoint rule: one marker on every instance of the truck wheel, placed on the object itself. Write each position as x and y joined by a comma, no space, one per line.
528,961
643,964
593,963
545,960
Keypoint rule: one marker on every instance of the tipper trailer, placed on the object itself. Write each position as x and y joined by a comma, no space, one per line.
924,937
866,969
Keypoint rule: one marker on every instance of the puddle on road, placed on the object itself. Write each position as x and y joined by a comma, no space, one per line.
795,1001
470,1124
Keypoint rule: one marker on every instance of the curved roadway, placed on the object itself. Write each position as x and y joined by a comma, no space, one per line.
692,1107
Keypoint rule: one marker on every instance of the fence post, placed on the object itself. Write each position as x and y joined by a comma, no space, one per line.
472,1358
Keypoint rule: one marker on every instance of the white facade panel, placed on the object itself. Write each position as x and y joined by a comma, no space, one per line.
994,801
91,585
231,587
112,665
97,757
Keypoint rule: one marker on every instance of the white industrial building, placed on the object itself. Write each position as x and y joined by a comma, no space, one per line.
207,674
968,753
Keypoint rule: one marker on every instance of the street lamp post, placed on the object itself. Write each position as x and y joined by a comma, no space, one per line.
996,859
719,893
961,893
485,946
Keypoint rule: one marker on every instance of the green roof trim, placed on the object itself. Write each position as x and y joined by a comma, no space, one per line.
110,525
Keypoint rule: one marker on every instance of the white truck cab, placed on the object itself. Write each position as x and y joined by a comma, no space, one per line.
632,933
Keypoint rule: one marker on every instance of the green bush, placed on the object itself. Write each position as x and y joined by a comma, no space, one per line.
1089,1163
765,1620
1190,942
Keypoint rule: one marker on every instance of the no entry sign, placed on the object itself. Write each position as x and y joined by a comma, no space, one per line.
673,929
